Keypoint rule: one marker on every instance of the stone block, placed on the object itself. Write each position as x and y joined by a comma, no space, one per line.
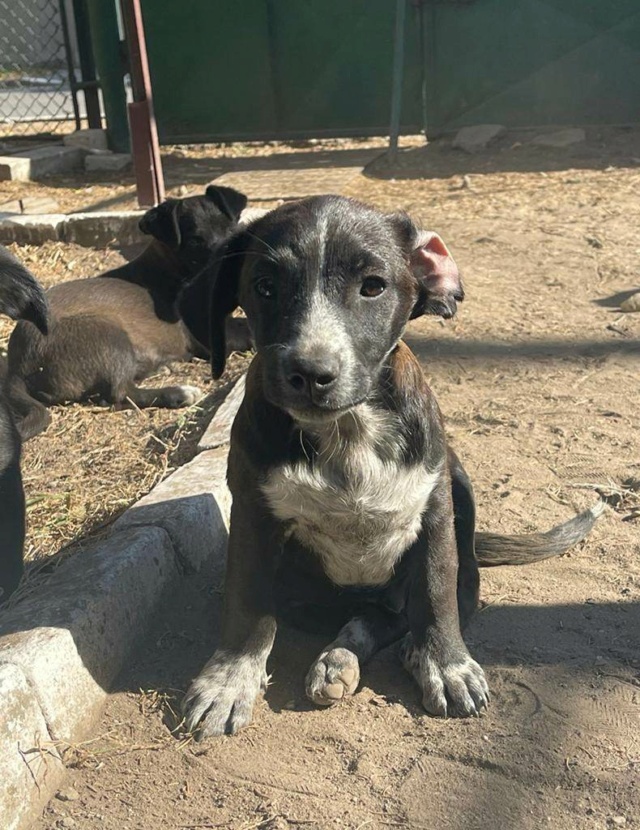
96,230
218,433
72,636
193,506
30,765
34,229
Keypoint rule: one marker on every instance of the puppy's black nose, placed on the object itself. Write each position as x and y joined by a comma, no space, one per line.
312,378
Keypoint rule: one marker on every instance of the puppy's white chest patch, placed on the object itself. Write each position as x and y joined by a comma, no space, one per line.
357,507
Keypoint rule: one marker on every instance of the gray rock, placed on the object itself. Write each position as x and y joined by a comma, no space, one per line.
475,139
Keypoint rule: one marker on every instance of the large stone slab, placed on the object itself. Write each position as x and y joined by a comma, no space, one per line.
218,433
46,161
30,765
73,635
193,506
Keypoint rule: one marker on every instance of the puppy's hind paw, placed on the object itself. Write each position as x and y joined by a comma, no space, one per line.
188,395
334,676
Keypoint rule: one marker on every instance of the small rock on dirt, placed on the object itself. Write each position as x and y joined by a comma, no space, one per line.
632,303
476,138
68,794
561,138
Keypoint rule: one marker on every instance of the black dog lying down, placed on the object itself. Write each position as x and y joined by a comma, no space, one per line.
349,509
111,331
20,298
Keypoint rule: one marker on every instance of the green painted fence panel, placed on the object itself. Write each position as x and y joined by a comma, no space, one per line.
256,69
533,62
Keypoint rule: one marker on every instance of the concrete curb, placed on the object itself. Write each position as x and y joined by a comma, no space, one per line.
61,647
91,230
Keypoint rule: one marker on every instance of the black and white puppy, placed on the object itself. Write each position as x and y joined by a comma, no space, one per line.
349,510
109,332
21,298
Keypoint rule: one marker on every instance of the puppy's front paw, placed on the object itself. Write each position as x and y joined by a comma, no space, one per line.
334,675
455,686
220,700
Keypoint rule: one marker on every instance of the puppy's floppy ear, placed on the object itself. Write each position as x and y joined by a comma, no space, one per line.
21,295
228,201
224,298
162,223
439,284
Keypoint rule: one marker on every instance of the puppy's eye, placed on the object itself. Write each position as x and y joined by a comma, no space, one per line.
372,287
265,287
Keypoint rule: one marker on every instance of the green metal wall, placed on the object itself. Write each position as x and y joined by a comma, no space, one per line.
242,69
534,62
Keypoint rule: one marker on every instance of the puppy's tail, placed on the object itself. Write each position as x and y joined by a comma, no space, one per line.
493,549
30,415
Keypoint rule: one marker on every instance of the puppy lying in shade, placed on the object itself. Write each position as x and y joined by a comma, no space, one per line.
22,299
110,332
349,509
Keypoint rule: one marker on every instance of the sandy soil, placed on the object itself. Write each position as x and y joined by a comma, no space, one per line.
538,380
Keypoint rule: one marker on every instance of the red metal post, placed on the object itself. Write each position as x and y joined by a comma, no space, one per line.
144,134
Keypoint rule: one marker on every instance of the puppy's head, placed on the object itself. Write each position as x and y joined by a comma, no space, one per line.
328,285
21,296
194,227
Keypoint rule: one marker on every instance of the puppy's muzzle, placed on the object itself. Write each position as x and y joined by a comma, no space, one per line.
311,380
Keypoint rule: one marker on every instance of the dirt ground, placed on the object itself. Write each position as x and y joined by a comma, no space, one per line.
538,380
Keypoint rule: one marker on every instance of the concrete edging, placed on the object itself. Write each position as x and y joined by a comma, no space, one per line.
61,648
91,230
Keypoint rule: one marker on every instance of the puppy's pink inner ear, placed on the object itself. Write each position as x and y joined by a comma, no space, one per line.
432,262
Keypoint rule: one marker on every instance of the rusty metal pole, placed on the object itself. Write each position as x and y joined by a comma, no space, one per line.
144,134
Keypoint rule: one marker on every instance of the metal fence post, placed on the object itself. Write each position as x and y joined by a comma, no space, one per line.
107,52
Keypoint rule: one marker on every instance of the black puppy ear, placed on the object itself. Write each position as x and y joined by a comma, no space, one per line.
162,223
21,295
439,284
229,201
224,299
206,302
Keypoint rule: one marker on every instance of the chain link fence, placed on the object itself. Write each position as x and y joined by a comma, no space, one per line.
35,92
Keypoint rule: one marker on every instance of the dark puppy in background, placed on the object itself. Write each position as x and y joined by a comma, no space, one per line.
350,512
110,332
21,298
